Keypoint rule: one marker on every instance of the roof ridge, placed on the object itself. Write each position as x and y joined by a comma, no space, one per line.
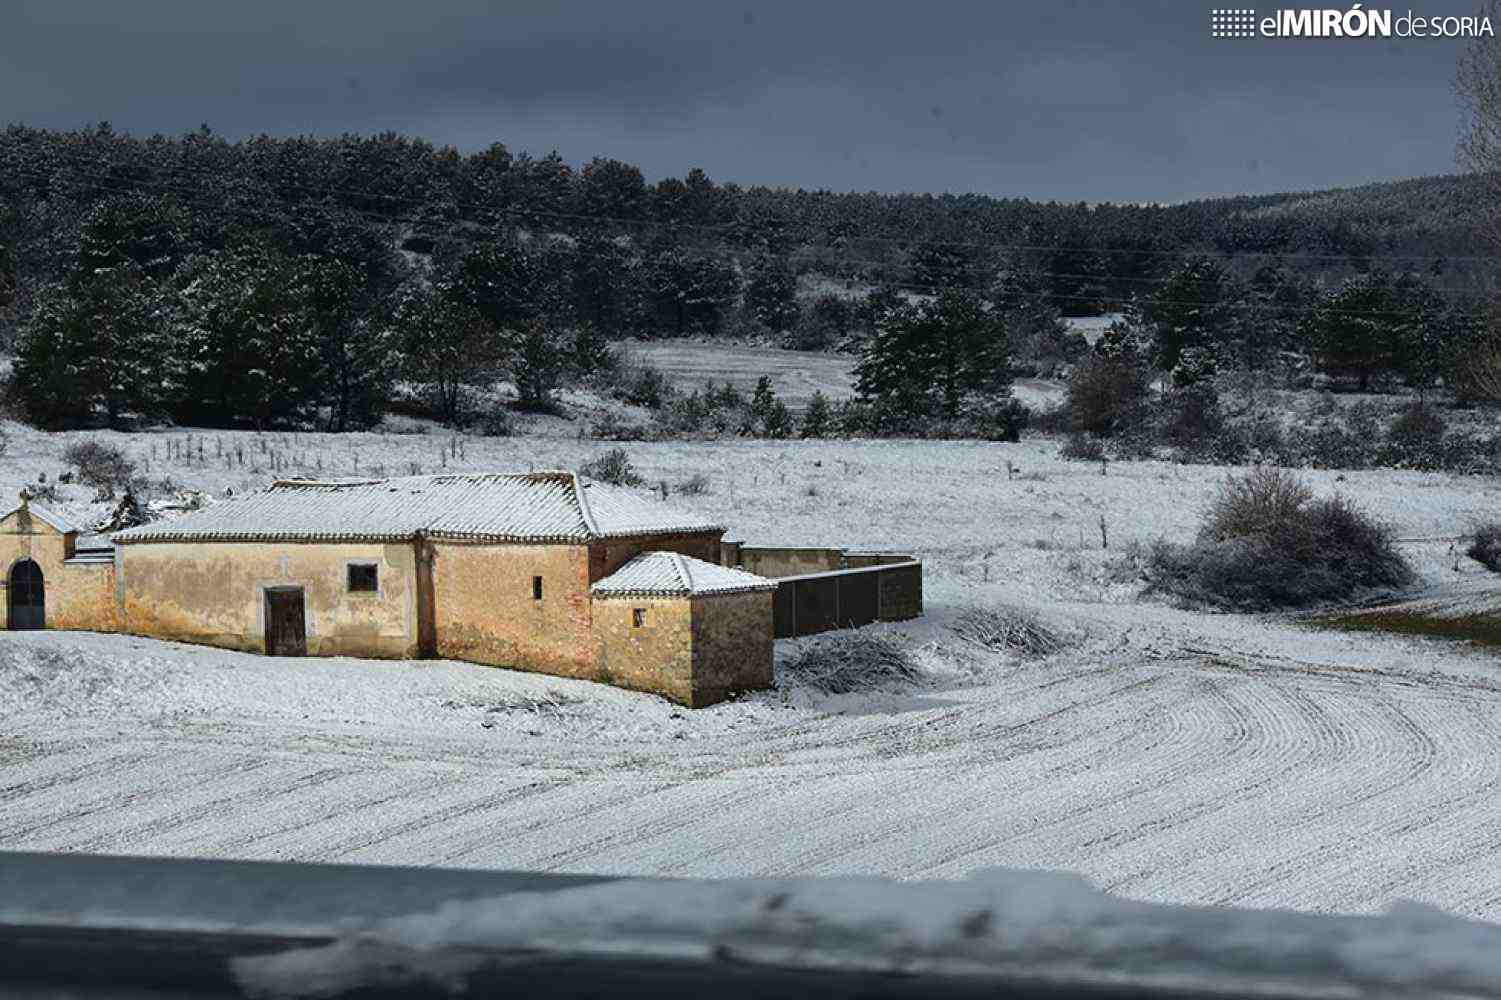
278,483
51,518
590,524
683,572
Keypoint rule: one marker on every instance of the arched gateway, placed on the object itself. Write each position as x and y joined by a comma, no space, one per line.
26,600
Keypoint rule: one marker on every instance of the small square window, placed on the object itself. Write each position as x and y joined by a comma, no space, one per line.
638,617
364,578
536,588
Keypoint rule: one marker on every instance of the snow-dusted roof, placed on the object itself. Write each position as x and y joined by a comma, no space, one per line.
531,507
667,574
62,524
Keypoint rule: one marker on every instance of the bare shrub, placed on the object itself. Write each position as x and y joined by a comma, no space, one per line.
1102,391
612,427
694,485
1255,503
1082,448
102,466
1267,543
638,384
613,467
851,661
1005,628
1485,546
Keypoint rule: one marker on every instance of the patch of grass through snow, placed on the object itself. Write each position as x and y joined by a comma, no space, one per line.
1479,629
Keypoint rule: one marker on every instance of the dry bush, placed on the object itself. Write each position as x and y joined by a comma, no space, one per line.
1005,628
1268,543
102,466
613,467
1485,546
1082,448
694,485
851,661
1256,503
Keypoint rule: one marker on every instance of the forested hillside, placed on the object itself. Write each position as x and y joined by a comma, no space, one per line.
260,281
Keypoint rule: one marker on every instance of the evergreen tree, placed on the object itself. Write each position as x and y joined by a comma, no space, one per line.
1357,329
356,351
763,400
690,293
447,346
95,346
817,417
771,296
778,422
1194,307
246,347
936,358
500,280
43,379
538,358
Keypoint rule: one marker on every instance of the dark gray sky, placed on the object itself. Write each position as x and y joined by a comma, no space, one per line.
1053,99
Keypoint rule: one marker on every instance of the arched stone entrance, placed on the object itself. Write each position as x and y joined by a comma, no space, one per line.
25,597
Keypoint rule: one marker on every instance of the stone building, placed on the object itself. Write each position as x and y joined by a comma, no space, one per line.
537,571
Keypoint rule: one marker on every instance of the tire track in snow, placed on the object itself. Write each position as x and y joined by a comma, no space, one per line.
1045,802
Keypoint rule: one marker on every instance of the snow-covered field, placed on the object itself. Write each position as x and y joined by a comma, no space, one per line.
1166,756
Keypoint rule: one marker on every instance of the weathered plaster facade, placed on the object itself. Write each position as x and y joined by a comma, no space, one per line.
80,594
655,656
215,593
486,611
732,645
696,650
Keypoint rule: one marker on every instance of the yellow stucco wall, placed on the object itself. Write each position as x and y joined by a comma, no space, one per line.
695,651
732,645
655,657
78,595
484,611
214,593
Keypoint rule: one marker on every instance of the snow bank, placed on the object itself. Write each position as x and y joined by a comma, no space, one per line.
999,922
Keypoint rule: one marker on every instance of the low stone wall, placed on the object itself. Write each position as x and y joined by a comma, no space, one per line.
821,602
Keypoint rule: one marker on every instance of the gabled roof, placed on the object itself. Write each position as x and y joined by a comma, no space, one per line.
528,507
58,522
667,574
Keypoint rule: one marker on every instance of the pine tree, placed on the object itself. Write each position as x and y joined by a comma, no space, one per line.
778,420
817,417
447,345
1193,308
771,296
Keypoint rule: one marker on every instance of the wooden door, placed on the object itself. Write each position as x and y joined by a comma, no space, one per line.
26,597
286,625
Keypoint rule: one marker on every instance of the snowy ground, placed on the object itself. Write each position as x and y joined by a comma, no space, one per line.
1168,756
795,375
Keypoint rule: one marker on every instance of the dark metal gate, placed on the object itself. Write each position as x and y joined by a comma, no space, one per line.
26,597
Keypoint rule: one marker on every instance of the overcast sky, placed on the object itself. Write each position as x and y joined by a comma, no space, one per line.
1055,99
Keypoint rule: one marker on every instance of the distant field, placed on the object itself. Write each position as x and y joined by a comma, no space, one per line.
795,375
